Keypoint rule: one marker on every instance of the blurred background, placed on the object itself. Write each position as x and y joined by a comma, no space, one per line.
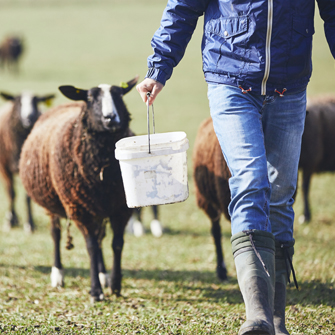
86,43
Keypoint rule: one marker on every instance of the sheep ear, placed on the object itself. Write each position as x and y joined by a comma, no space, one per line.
126,87
7,96
47,99
73,93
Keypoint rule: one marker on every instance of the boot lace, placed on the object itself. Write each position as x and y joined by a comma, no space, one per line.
288,260
250,233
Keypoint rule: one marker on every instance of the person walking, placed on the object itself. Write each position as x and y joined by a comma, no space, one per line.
257,63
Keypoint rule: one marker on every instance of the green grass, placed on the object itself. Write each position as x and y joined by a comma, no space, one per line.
169,284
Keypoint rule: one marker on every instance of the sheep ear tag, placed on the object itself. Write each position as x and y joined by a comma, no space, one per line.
73,93
124,85
48,102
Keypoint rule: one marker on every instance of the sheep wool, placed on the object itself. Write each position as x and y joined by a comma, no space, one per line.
317,148
68,167
211,175
17,118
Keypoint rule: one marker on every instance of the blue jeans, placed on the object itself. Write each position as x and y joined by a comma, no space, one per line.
260,137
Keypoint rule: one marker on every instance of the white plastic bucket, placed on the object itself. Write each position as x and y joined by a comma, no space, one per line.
158,177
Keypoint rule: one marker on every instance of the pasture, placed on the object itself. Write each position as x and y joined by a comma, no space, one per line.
169,284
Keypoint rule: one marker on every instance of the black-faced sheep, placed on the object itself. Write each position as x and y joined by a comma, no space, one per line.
68,166
11,50
17,118
317,149
211,174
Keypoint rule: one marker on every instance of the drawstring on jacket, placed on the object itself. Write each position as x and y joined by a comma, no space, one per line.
282,93
245,91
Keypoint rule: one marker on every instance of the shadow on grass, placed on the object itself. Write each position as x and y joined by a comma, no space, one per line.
69,272
203,277
312,293
309,293
179,232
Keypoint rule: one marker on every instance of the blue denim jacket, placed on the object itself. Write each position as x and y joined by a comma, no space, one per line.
261,45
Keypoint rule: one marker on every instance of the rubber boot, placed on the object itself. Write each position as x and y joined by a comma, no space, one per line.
283,271
254,255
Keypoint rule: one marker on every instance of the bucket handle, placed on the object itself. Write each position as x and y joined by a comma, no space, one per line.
148,119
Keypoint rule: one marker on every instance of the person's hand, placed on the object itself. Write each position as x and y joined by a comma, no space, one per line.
149,85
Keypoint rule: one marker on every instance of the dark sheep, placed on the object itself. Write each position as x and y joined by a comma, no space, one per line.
68,166
211,175
17,118
11,50
317,149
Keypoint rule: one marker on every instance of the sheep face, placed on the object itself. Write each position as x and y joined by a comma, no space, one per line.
103,113
29,112
106,110
26,107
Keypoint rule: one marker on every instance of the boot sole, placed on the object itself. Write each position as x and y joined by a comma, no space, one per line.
254,331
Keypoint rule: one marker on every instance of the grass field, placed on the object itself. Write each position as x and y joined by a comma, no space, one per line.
169,284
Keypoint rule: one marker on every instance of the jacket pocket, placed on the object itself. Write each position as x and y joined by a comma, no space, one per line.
303,27
228,27
225,43
300,60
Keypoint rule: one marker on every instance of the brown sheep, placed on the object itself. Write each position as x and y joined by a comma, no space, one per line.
17,118
68,167
317,149
11,50
211,174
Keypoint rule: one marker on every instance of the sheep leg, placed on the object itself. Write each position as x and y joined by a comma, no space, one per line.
306,179
29,226
94,250
221,270
155,225
103,275
138,213
57,273
117,246
101,263
155,211
11,219
135,225
214,216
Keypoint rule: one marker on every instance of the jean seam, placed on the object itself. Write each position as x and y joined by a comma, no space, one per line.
270,114
267,178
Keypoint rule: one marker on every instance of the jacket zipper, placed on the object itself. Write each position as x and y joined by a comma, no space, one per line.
267,47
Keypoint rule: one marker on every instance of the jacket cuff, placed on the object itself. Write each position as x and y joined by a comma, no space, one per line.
157,75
